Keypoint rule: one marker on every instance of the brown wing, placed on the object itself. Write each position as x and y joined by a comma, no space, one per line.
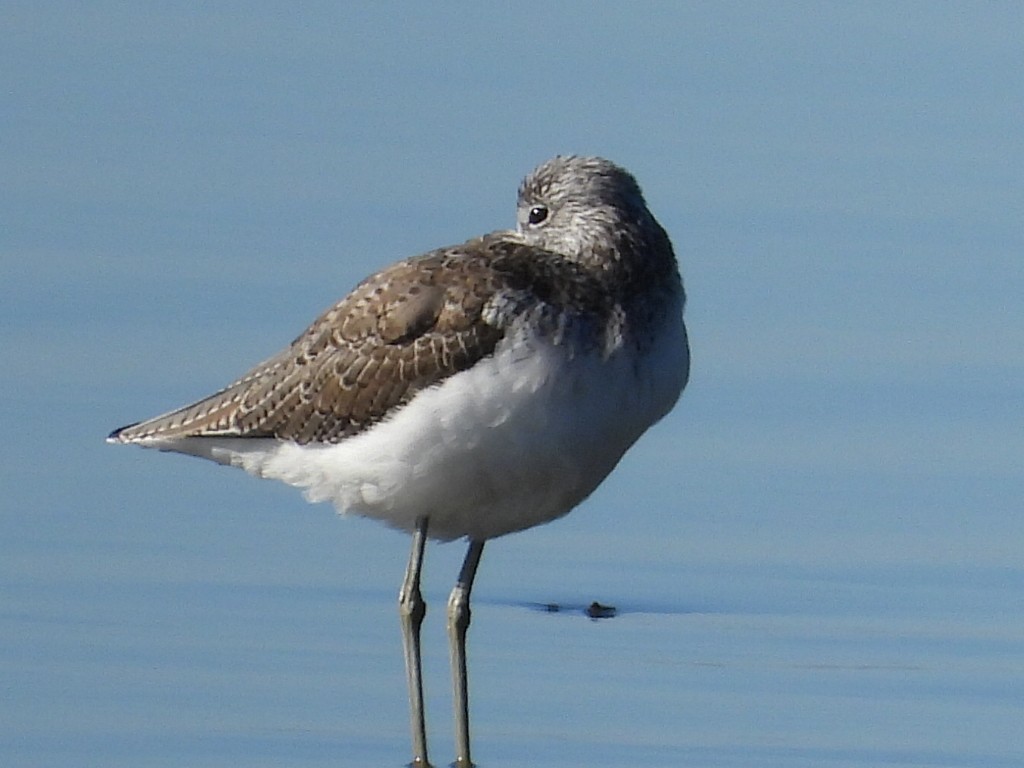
401,330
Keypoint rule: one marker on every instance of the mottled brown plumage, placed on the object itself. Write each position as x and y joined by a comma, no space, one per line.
405,328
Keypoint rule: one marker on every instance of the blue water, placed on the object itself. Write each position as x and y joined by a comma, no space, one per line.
816,560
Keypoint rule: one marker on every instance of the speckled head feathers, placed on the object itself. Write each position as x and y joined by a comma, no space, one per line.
580,207
583,180
591,211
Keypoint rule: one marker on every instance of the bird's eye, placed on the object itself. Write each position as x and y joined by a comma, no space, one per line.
537,214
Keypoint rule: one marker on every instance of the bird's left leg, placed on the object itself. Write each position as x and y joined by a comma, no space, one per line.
411,610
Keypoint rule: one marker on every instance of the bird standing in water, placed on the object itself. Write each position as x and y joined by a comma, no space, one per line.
469,392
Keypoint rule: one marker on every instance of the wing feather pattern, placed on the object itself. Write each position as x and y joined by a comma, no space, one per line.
404,329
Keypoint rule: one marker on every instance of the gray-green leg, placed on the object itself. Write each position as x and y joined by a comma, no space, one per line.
411,610
458,623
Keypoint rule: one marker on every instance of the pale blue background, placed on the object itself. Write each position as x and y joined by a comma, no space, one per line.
818,557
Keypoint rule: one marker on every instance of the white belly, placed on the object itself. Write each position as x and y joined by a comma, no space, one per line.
518,440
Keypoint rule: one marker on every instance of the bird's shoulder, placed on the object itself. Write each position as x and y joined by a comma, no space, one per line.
451,290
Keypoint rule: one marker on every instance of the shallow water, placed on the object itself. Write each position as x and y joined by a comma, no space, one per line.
284,650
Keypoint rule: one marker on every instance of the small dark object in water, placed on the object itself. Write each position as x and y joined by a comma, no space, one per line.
597,611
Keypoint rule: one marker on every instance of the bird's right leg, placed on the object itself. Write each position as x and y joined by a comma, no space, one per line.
411,610
458,623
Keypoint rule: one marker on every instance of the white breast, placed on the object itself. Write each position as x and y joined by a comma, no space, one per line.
517,440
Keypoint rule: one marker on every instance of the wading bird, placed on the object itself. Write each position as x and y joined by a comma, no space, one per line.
469,392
